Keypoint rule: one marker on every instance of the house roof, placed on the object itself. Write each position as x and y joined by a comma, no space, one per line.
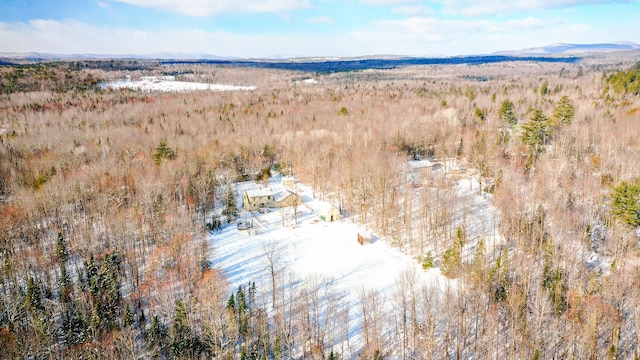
325,207
259,192
288,178
279,193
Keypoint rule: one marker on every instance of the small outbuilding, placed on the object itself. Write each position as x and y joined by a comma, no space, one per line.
244,224
329,213
365,239
288,182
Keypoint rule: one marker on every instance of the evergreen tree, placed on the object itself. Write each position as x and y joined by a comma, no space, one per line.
537,132
61,249
460,149
554,282
103,280
507,114
33,296
452,259
65,284
626,82
564,111
544,89
163,152
127,318
625,201
75,329
181,337
230,206
241,300
204,256
156,336
231,303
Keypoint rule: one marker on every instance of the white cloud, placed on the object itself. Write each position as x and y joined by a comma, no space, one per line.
320,20
216,7
430,35
492,7
413,10
103,4
427,26
391,2
526,23
72,37
413,36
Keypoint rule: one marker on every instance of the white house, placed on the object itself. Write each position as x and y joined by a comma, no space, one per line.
270,197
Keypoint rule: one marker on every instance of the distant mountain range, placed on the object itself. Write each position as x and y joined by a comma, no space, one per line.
572,49
37,56
549,50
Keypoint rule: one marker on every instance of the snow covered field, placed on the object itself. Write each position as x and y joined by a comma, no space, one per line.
169,84
312,251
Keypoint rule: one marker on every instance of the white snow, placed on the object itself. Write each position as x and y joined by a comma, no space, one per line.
168,84
419,164
312,249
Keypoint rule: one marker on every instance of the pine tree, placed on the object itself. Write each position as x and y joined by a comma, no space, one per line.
156,336
163,152
103,280
61,249
231,303
537,132
544,89
554,282
75,329
460,149
507,114
33,296
181,337
625,201
230,206
564,111
204,256
452,260
127,318
64,283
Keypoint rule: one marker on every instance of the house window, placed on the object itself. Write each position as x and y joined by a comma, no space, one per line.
268,197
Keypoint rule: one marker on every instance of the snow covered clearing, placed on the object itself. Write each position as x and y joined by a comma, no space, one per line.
288,256
169,84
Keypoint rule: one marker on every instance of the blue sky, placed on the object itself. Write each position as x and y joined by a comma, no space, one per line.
265,28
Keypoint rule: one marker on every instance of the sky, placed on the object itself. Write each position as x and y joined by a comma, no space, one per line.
286,28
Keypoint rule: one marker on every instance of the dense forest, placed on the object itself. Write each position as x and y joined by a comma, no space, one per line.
108,198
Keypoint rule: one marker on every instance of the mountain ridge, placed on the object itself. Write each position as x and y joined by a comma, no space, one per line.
572,49
548,50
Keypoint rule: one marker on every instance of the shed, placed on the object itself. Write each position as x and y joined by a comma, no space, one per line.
288,181
364,239
329,213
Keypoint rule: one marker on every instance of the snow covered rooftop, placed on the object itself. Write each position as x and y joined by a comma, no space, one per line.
324,207
262,192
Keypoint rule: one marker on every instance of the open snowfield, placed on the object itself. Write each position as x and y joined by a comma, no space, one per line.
330,250
169,84
321,251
